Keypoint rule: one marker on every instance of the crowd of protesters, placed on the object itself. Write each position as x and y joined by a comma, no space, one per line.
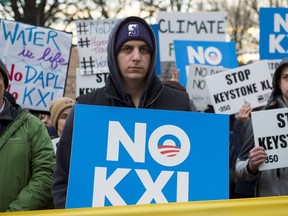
34,177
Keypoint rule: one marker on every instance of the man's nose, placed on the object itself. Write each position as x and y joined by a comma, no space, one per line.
136,55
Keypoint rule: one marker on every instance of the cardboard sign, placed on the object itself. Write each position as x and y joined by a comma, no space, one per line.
270,132
92,45
206,53
37,61
87,83
231,89
151,157
196,84
273,43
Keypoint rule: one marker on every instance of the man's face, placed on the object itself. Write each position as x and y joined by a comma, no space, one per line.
2,89
134,60
61,120
283,84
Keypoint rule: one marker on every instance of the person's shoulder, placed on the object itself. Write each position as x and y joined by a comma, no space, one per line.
90,97
29,122
33,119
173,99
174,92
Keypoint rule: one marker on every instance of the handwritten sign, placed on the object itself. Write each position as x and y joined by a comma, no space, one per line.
231,89
273,43
87,83
196,84
37,61
92,45
270,132
146,158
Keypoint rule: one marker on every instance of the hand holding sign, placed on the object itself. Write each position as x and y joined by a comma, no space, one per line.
270,133
244,113
257,156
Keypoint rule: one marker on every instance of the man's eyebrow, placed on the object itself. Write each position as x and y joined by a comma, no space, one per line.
126,45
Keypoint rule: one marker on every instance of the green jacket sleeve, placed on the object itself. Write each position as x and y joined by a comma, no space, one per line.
37,193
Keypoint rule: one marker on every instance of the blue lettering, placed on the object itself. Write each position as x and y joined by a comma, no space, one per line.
29,35
9,34
34,76
22,35
55,84
33,71
42,98
27,95
40,77
49,76
30,32
38,38
52,35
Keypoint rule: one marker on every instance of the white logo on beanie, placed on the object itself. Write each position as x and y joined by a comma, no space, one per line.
133,30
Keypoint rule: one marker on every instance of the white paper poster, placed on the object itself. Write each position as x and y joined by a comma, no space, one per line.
233,88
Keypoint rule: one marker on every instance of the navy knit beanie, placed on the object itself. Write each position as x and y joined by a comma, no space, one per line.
133,30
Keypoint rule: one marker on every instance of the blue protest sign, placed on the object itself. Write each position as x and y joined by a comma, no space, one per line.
273,42
126,156
205,53
155,30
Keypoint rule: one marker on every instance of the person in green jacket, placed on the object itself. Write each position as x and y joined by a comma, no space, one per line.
27,158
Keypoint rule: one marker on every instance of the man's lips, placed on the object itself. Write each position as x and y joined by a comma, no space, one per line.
136,67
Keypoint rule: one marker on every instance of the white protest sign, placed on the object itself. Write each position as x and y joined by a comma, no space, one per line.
231,89
196,84
273,65
87,83
270,132
199,26
37,61
92,45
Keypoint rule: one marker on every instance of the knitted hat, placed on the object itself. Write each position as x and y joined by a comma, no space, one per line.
133,30
4,73
57,106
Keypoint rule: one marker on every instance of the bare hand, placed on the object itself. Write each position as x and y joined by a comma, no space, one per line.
244,113
175,74
257,156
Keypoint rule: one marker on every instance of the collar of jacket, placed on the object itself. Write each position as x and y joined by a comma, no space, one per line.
10,112
13,126
148,98
275,102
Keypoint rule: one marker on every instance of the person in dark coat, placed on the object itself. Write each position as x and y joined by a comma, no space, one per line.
132,82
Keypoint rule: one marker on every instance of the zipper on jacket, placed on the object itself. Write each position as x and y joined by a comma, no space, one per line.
154,98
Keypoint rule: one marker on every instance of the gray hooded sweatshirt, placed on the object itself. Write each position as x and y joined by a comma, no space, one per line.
272,182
